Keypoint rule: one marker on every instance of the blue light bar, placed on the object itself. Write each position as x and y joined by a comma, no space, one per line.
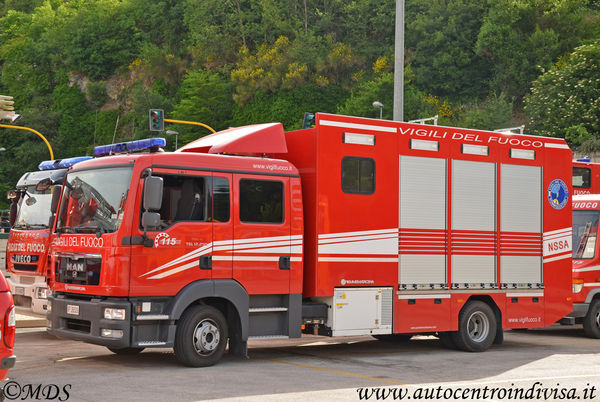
62,163
65,163
137,145
588,160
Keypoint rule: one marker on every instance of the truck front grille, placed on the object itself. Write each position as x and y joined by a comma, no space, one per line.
78,271
25,267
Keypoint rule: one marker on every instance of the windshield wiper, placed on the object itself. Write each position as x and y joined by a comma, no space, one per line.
38,226
65,229
90,228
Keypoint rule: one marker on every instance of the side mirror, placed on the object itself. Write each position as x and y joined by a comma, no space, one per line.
150,220
56,190
12,216
153,192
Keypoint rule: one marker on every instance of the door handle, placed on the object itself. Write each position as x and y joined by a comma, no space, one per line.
284,262
206,262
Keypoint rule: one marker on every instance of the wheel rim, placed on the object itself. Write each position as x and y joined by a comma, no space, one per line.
206,337
598,319
478,326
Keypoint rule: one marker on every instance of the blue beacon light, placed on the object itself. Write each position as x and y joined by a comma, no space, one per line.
130,146
62,163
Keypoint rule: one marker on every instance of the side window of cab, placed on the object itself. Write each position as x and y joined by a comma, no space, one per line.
189,198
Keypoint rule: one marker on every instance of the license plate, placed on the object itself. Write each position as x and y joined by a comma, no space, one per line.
19,290
73,310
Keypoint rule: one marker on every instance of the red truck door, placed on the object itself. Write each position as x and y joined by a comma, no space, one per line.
195,238
262,245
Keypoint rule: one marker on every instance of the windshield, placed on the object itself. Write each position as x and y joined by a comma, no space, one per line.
585,232
34,209
93,200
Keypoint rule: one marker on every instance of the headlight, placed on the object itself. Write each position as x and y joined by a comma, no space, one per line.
43,293
577,285
114,314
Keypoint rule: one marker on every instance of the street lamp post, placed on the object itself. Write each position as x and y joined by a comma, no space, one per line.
379,105
175,133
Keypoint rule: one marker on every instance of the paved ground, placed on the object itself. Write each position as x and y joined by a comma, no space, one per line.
550,364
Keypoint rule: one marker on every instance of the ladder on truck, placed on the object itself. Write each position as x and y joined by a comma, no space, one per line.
584,239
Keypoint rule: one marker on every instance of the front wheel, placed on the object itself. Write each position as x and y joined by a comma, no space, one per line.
201,336
591,322
476,327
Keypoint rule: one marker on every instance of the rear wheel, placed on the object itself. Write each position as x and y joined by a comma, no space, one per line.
591,322
398,338
201,336
476,327
126,351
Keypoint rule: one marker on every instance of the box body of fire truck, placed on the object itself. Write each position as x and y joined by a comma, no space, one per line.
586,265
356,226
29,239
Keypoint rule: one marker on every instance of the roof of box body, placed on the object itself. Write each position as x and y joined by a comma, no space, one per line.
257,139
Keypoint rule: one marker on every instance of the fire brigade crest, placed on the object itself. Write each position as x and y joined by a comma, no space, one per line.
558,194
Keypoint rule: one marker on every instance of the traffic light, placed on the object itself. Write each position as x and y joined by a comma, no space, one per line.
157,120
309,120
6,103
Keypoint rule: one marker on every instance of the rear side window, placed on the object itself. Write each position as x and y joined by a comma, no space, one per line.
582,177
261,201
358,175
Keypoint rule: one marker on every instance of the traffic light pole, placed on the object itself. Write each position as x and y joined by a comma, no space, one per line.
194,123
33,131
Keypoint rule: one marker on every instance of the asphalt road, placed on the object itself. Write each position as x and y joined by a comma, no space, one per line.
555,363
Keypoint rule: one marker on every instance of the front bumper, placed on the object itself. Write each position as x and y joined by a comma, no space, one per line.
89,321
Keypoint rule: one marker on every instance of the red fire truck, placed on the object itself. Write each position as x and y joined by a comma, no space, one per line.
586,177
586,265
355,226
28,241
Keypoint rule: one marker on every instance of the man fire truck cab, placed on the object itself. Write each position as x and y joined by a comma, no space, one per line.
28,241
353,227
586,177
586,265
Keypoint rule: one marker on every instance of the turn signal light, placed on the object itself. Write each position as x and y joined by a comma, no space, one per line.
577,285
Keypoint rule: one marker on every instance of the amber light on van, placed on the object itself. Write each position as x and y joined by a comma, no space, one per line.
577,285
10,321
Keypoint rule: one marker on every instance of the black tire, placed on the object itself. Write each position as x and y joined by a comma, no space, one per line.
476,327
201,337
397,338
446,340
126,351
591,322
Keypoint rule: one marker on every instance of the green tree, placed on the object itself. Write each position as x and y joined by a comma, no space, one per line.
519,37
205,97
565,100
440,42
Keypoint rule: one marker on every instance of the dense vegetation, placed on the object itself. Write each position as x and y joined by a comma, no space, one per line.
85,72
